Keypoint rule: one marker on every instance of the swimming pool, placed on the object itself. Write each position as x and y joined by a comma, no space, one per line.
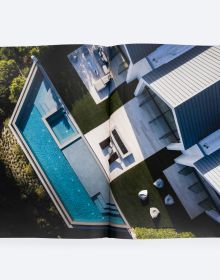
61,125
65,182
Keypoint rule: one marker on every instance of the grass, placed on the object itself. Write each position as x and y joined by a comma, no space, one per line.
121,95
202,226
125,189
72,90
78,100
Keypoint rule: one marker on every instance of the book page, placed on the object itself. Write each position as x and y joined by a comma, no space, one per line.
119,141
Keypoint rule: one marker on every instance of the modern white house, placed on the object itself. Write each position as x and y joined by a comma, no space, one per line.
189,86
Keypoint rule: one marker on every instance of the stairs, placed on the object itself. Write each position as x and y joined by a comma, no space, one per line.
107,209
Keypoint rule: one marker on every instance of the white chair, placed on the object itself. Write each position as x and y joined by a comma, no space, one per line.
154,212
143,195
159,183
169,200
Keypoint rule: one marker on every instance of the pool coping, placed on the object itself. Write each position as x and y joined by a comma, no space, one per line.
67,142
40,173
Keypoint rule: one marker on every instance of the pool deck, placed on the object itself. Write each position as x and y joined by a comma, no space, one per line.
81,159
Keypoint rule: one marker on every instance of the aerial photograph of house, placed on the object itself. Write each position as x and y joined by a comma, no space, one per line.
119,141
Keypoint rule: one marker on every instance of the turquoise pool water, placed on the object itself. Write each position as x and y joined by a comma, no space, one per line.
62,126
57,169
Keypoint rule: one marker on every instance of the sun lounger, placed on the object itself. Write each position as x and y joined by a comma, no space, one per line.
112,158
105,143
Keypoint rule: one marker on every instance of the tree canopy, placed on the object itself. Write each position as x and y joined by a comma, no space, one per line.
8,71
16,88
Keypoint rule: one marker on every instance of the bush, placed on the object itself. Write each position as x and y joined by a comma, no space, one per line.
40,192
16,87
16,162
42,222
8,71
28,170
151,233
2,115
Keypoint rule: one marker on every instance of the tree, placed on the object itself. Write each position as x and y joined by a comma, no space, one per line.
8,71
8,53
16,87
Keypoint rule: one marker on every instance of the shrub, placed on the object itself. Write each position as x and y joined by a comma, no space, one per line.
151,233
40,192
42,222
16,162
15,88
8,71
28,170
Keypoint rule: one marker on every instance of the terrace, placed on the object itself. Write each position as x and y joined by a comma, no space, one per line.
146,121
189,189
101,69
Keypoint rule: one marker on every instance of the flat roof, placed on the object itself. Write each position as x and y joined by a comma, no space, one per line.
209,167
186,75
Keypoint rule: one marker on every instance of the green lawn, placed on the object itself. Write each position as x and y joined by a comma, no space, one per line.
121,95
125,189
86,112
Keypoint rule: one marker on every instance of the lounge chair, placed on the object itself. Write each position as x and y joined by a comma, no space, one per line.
169,200
113,158
143,195
154,213
105,143
159,183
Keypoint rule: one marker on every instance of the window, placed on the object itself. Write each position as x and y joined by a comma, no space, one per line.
196,188
186,171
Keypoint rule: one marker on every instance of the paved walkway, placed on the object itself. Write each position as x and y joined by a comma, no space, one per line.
87,169
188,189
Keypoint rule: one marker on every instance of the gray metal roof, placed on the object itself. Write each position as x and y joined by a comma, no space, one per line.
209,166
186,75
140,51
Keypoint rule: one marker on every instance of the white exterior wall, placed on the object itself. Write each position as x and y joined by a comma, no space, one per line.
138,70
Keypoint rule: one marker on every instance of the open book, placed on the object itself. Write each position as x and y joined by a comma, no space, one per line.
123,139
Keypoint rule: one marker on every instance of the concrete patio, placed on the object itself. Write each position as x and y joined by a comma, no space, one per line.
143,132
90,71
189,189
87,169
